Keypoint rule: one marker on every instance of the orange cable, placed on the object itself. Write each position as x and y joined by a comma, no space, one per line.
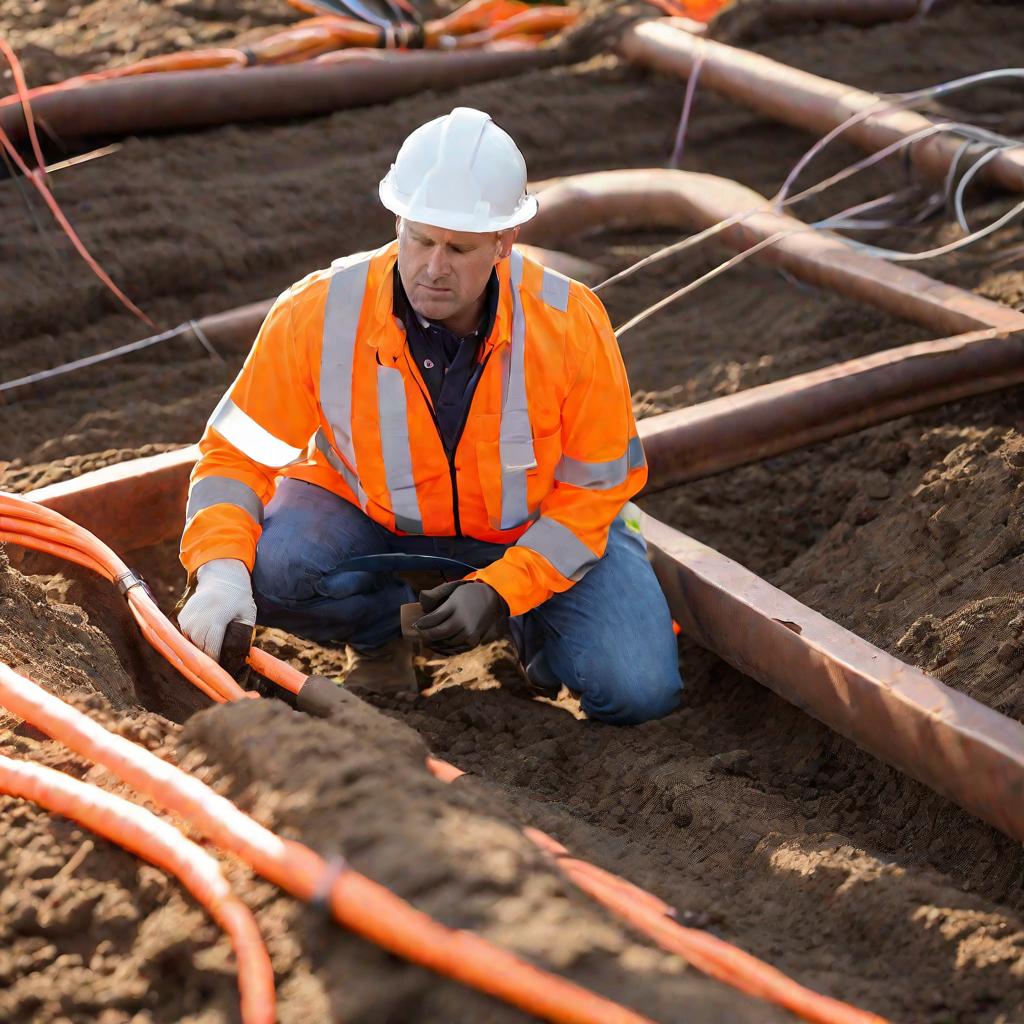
25,521
715,957
363,906
58,215
23,94
141,832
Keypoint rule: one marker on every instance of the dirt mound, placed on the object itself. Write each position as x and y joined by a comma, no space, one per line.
90,933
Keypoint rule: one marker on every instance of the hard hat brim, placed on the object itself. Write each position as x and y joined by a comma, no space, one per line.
453,220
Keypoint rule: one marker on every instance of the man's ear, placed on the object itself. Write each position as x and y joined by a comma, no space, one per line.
506,239
398,226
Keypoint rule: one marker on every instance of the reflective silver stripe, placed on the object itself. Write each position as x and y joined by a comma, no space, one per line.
324,447
560,546
635,453
554,290
241,430
345,296
516,437
223,490
597,476
601,476
394,443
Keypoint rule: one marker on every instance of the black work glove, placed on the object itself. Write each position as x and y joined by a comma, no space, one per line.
459,615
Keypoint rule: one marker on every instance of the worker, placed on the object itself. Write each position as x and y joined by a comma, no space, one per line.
442,395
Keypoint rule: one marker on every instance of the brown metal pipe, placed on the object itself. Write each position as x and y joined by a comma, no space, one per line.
687,201
950,742
699,441
964,750
199,99
564,263
803,100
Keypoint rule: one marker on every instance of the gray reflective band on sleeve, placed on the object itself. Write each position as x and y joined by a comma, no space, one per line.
635,452
345,296
601,476
395,447
560,546
597,476
516,436
223,490
554,290
256,442
338,465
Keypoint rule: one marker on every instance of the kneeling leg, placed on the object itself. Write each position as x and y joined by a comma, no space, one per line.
307,533
609,638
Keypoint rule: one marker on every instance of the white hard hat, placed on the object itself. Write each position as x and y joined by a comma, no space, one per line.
461,172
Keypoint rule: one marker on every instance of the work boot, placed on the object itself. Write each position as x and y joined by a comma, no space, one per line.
384,669
538,677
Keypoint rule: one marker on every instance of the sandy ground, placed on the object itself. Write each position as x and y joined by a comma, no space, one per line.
754,820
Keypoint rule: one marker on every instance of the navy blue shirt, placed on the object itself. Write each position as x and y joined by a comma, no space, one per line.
450,363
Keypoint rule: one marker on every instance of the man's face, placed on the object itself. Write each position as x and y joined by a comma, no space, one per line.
445,272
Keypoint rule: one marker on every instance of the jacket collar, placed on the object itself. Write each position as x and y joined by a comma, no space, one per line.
387,332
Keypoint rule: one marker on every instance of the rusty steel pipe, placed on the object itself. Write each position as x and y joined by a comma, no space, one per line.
688,201
805,101
969,753
200,99
957,746
711,437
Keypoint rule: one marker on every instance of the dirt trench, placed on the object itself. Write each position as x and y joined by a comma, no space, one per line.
752,819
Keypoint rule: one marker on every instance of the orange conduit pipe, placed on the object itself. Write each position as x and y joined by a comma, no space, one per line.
653,917
141,832
477,23
643,910
537,21
28,524
25,522
360,904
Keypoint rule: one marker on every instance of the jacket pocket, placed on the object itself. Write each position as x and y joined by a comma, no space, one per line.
513,494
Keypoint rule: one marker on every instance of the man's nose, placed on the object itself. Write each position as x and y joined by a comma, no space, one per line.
437,265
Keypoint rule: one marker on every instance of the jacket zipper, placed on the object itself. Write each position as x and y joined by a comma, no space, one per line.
449,455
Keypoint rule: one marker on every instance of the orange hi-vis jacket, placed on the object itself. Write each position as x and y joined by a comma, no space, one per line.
330,394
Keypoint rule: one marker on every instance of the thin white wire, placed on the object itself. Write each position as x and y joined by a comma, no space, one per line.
958,198
781,199
691,240
896,256
704,278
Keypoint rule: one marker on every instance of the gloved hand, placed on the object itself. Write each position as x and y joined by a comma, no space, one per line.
459,614
223,593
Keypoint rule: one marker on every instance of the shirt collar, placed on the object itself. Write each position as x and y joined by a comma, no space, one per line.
387,333
403,310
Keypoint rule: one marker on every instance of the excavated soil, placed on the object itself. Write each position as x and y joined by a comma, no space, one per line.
749,817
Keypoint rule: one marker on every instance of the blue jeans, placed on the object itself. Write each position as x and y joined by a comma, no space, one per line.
608,638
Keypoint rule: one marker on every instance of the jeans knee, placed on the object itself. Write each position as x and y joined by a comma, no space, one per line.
624,693
276,579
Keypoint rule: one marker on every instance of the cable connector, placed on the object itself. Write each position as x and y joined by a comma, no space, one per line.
127,580
321,898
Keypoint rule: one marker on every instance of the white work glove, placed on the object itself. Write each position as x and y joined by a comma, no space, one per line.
223,593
